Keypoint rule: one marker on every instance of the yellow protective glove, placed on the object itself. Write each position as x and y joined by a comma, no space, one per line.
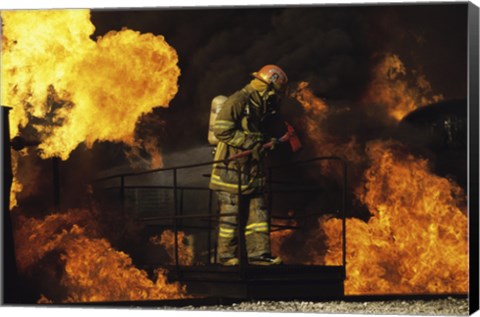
274,141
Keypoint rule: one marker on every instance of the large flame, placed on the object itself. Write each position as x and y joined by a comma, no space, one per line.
393,88
79,90
91,269
416,240
71,89
86,90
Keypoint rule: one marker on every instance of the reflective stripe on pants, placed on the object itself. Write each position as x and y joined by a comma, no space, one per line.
257,233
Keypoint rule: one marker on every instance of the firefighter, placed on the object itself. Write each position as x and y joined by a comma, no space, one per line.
238,127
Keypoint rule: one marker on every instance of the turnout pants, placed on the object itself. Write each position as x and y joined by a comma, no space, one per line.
257,233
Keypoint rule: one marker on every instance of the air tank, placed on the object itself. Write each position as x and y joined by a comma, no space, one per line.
216,106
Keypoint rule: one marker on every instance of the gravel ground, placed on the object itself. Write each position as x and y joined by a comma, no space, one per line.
437,307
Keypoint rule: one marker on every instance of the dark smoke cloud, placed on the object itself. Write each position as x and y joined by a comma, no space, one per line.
218,49
333,48
311,45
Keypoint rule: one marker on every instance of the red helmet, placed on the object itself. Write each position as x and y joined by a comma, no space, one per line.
272,74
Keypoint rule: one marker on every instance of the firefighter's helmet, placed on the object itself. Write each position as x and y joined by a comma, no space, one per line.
272,74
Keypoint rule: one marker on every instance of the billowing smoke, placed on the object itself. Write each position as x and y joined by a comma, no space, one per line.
332,48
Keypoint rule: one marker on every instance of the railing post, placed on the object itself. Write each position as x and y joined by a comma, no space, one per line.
175,223
270,195
344,219
180,208
209,237
240,228
122,194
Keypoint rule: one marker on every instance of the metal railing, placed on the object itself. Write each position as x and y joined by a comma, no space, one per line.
178,216
343,199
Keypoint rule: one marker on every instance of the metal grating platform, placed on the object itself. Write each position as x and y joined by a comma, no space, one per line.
282,282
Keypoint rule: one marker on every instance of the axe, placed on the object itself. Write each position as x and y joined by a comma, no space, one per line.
290,136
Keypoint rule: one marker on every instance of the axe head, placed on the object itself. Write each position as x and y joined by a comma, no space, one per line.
293,139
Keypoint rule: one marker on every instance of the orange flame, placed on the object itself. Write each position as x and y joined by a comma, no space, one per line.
93,269
323,143
315,108
152,147
83,90
309,101
415,241
280,237
89,90
134,154
391,88
167,240
320,246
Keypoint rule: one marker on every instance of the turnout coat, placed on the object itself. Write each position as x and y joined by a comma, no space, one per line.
238,127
